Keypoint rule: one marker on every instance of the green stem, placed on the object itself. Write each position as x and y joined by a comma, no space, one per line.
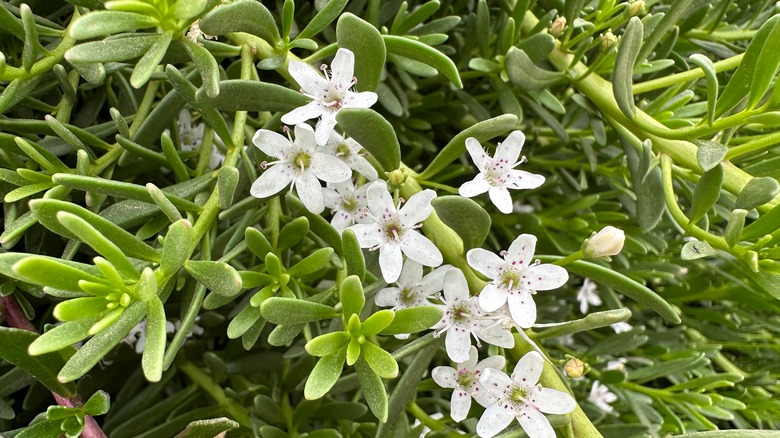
757,145
733,35
695,73
216,392
423,416
573,257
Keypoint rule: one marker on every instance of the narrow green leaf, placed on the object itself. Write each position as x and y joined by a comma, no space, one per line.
217,276
312,263
162,201
185,10
292,233
709,154
317,223
242,16
257,242
16,91
374,133
49,271
284,334
379,360
148,63
736,223
62,336
146,288
525,74
43,157
324,375
177,247
206,65
246,95
44,367
413,320
80,308
353,254
208,428
243,321
172,157
287,311
328,343
352,297
112,50
210,114
627,51
154,349
696,249
424,53
27,191
324,17
765,224
100,23
757,192
373,390
365,41
470,221
706,193
706,65
377,322
227,181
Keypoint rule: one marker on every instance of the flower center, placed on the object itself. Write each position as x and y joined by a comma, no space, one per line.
393,231
464,379
333,97
343,150
517,394
302,160
460,312
408,295
509,279
349,204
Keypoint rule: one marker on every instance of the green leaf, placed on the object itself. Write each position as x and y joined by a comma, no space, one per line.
352,297
257,242
365,41
324,375
470,221
227,182
424,53
177,247
312,263
205,63
373,390
42,429
246,95
757,192
112,50
159,198
668,368
377,322
353,254
146,288
217,276
765,224
48,271
709,154
284,334
328,344
292,233
591,321
696,249
706,193
317,223
80,308
413,320
622,80
62,336
184,10
100,23
242,16
354,346
148,63
734,227
287,311
212,427
482,131
242,322
324,17
98,404
379,360
374,133
14,344
154,349
525,74
706,66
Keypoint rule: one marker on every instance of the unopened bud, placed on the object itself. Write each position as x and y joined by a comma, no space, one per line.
635,7
608,39
558,26
574,368
396,178
607,242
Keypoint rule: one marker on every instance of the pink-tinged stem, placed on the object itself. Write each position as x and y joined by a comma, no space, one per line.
17,319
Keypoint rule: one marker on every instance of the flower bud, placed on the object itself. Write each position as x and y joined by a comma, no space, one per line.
396,178
607,242
558,26
636,7
574,368
608,39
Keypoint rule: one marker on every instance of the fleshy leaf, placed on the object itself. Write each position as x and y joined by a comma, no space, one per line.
373,390
413,320
217,276
324,375
286,311
352,297
470,221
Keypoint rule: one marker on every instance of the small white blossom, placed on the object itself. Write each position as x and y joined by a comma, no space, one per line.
412,289
465,380
137,335
300,163
463,318
330,93
620,327
498,174
349,151
515,279
347,204
607,242
393,231
601,396
588,296
191,137
618,364
519,396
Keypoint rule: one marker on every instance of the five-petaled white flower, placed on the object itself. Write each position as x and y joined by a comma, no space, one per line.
601,396
300,163
498,174
347,203
515,279
463,318
349,151
413,289
465,380
588,296
393,231
519,396
330,93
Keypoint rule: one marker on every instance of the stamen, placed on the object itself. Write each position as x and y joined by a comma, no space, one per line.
264,165
503,253
395,233
511,282
401,202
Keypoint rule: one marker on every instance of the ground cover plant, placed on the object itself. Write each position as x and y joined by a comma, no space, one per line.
389,218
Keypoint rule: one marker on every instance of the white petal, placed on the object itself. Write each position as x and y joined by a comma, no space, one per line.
342,69
362,166
388,297
458,341
390,262
307,77
498,336
272,181
522,308
434,281
492,297
311,110
359,100
420,249
460,405
509,149
521,251
271,143
534,423
411,274
544,277
417,208
304,138
478,155
528,369
495,419
341,220
552,401
476,186
495,382
501,198
520,179
331,198
496,362
481,395
446,377
368,235
485,262
379,200
472,362
325,127
310,192
455,286
329,168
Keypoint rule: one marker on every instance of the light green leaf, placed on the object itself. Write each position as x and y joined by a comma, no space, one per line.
257,242
365,41
352,297
413,320
377,322
80,308
374,133
324,375
627,51
242,16
208,428
62,336
470,221
324,17
709,154
284,334
706,66
373,390
154,349
177,247
757,192
696,249
287,311
246,95
185,10
98,404
242,322
328,343
525,74
148,63
312,263
112,50
353,254
765,224
424,53
205,63
100,23
227,181
734,227
146,288
48,271
44,367
217,276
379,360
706,193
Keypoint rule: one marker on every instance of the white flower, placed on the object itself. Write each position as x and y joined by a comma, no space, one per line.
191,137
618,364
498,174
620,327
394,230
347,204
588,296
348,151
300,163
515,279
520,397
463,318
330,93
136,337
465,380
413,289
607,242
601,396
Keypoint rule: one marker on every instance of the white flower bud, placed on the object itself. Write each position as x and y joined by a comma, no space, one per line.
607,242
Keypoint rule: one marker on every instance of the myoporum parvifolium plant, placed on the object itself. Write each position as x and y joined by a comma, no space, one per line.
390,218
